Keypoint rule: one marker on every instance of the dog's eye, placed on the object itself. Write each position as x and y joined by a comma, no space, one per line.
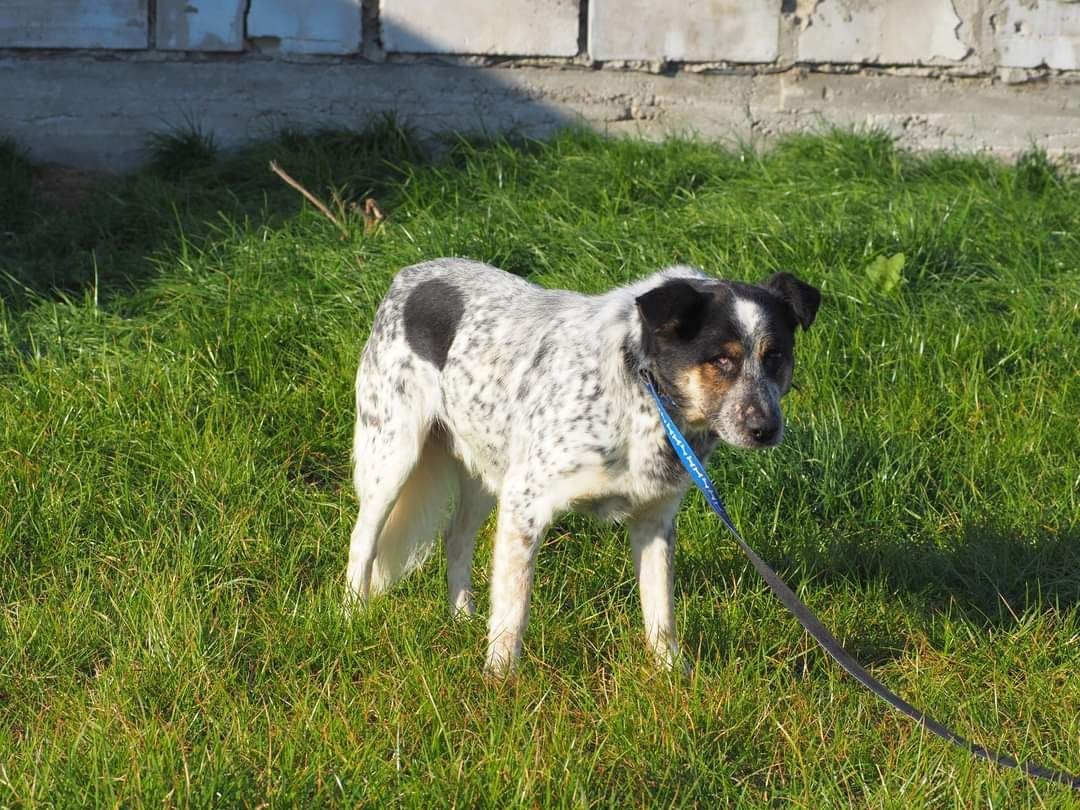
724,363
773,360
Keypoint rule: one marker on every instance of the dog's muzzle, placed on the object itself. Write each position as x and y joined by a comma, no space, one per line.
750,425
763,428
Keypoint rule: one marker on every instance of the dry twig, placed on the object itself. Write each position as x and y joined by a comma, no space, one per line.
310,197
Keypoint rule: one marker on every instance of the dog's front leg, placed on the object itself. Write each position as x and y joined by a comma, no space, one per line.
652,540
522,521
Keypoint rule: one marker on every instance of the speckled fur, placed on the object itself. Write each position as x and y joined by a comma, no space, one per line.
477,382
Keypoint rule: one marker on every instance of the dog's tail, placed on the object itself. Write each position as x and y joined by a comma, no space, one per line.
419,514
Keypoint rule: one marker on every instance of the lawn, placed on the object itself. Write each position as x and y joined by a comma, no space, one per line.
177,351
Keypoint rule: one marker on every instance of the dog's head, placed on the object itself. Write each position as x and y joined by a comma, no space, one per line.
725,350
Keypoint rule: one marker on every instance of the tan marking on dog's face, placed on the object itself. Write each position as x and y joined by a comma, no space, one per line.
703,388
732,349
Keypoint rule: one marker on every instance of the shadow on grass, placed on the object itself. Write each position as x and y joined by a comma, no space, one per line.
61,235
991,571
989,577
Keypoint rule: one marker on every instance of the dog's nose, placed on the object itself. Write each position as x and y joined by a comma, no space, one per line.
765,435
762,427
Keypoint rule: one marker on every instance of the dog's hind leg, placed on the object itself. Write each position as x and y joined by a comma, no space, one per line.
382,470
399,518
403,474
363,544
473,507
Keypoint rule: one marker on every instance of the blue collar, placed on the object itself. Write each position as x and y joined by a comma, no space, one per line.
687,457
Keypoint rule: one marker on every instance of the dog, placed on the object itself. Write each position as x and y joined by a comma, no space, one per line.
476,385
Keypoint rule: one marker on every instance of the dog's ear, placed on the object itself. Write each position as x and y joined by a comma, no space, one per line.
673,308
802,300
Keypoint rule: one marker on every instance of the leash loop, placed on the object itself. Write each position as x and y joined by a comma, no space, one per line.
810,622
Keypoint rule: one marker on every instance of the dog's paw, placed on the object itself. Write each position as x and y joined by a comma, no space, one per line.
498,675
464,607
353,604
674,661
683,667
501,664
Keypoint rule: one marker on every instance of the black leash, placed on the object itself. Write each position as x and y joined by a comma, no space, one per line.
813,625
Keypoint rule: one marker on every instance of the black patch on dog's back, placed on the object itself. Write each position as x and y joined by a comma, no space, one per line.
433,311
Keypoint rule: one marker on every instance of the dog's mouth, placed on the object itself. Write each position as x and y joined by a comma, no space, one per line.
749,438
765,442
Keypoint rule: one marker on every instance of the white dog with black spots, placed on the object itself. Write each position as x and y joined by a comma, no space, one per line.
477,387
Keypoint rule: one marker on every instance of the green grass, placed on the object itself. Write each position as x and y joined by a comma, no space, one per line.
176,364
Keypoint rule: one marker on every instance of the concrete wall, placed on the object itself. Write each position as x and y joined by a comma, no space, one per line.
84,81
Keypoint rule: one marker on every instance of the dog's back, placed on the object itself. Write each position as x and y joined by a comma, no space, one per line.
477,335
498,362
